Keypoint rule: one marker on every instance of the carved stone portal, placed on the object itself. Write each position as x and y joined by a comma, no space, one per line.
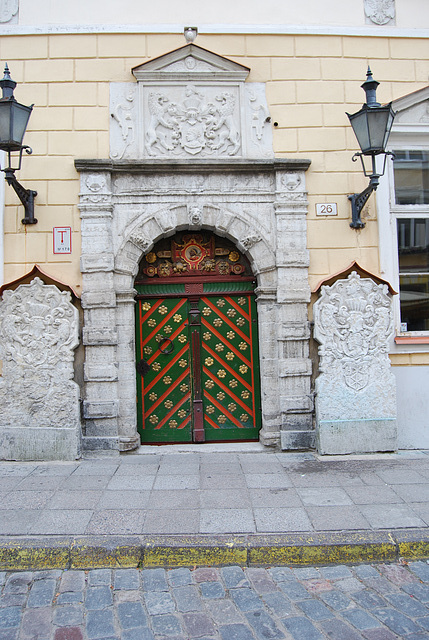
355,391
39,400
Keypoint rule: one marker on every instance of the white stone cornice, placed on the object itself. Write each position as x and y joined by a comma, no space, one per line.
222,29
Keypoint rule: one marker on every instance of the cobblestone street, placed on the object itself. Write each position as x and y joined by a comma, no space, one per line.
376,602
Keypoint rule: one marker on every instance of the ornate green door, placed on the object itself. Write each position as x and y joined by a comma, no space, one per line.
197,355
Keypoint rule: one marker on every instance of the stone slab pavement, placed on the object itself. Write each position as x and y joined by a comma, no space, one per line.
370,601
215,491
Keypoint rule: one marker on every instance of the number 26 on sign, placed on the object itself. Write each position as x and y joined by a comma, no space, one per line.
326,209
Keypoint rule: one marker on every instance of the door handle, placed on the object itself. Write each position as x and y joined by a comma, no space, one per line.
169,349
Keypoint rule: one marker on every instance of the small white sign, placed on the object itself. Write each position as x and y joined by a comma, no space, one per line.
326,209
62,239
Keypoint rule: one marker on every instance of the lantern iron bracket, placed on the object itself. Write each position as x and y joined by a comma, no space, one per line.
26,196
359,200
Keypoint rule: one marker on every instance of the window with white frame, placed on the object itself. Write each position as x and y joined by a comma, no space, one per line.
410,206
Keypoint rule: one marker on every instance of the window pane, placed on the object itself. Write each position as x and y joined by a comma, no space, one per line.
413,245
411,170
414,295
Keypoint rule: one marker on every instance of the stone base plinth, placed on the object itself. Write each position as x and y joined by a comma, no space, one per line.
297,440
39,443
335,437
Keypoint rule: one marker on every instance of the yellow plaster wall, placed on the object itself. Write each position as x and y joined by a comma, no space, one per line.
310,80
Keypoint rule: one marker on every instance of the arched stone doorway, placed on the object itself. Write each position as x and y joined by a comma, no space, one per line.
197,342
126,208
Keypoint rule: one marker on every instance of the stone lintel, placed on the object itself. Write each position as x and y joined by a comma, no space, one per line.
192,166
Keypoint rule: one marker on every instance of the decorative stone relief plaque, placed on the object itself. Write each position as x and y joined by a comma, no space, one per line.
379,11
191,104
355,391
9,10
39,399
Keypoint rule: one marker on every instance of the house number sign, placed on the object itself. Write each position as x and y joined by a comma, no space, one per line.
326,209
62,239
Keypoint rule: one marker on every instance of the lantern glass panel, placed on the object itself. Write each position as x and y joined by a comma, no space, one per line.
21,115
360,128
5,119
377,122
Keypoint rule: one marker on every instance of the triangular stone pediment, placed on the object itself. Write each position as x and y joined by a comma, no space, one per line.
412,109
190,63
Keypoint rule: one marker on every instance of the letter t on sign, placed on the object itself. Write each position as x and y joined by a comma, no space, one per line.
62,239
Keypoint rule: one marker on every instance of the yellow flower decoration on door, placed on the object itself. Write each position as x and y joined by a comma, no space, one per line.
244,417
233,384
232,407
240,322
242,368
181,414
242,346
210,409
207,335
241,301
220,396
153,396
209,384
151,322
147,351
206,311
168,404
219,347
209,361
221,373
245,395
222,419
229,355
177,317
231,313
182,363
230,335
154,419
220,303
146,306
217,322
172,424
162,310
181,338
168,329
156,366
184,388
167,380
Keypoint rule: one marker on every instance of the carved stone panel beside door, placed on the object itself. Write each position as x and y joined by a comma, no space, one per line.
40,416
356,389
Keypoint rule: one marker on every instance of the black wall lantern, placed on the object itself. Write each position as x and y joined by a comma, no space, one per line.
13,123
372,125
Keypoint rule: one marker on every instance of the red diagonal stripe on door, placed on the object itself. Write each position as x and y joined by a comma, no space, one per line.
227,390
222,410
219,356
225,319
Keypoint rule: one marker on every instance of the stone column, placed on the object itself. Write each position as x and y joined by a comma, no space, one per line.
356,390
293,295
100,407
